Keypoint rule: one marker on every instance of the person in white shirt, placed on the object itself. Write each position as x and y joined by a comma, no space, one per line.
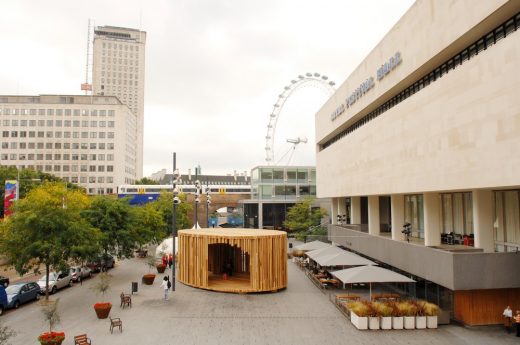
508,316
164,285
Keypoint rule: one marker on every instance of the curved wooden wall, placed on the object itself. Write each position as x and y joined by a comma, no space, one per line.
264,258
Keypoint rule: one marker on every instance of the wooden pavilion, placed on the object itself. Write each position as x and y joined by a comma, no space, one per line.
233,260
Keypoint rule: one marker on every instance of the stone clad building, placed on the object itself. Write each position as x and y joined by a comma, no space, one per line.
426,131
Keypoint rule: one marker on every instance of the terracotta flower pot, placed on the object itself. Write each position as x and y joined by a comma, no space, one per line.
148,279
102,310
51,338
160,268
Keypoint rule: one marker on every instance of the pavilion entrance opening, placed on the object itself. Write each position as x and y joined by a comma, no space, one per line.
228,267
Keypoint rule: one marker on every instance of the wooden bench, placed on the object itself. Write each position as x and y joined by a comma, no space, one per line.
126,300
116,322
348,297
81,339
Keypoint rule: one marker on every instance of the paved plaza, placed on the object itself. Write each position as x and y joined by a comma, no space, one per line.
301,314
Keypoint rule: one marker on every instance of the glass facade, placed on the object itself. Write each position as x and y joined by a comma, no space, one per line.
414,214
507,220
283,183
457,213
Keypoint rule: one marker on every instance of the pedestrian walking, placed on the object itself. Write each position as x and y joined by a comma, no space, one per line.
164,286
170,261
508,318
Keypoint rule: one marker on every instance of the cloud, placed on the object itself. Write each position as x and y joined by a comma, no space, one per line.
213,68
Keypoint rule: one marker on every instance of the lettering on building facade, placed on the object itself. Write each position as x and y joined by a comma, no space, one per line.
368,84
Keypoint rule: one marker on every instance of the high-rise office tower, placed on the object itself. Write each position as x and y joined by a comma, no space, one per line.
118,70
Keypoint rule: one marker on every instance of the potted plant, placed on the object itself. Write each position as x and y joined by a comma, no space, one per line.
102,308
385,313
373,317
397,316
431,311
52,316
149,278
161,265
420,316
408,310
358,314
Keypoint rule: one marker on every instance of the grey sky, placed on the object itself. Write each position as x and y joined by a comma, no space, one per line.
214,68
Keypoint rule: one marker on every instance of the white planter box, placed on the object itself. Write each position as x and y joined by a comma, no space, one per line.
373,322
431,321
420,322
397,322
409,322
360,322
386,322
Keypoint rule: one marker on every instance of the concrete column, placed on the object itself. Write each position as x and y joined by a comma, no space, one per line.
483,220
397,209
334,211
432,219
355,210
374,224
260,215
342,207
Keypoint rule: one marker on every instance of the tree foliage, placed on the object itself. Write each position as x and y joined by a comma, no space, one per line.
47,229
115,219
28,180
164,205
146,181
150,224
303,216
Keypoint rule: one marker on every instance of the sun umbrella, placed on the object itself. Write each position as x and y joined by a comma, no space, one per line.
342,258
312,245
370,274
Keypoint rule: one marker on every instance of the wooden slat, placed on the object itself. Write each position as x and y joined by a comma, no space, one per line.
484,307
260,259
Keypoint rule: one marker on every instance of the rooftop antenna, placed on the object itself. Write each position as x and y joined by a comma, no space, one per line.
87,86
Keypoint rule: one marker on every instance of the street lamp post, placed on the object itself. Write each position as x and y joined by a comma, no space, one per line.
176,201
197,196
208,202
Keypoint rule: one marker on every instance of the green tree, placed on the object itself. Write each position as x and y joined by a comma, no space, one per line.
164,205
149,223
116,221
47,229
28,179
302,216
146,181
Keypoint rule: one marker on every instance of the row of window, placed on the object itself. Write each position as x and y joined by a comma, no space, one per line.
57,156
58,112
58,146
51,134
115,54
121,46
458,59
72,168
58,123
120,61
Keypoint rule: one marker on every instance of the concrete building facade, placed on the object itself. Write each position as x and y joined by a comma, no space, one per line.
119,70
88,140
426,131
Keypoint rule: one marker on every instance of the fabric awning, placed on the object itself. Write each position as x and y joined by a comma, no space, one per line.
330,250
312,245
370,274
343,258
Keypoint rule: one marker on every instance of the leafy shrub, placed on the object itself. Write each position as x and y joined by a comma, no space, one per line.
382,309
359,308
